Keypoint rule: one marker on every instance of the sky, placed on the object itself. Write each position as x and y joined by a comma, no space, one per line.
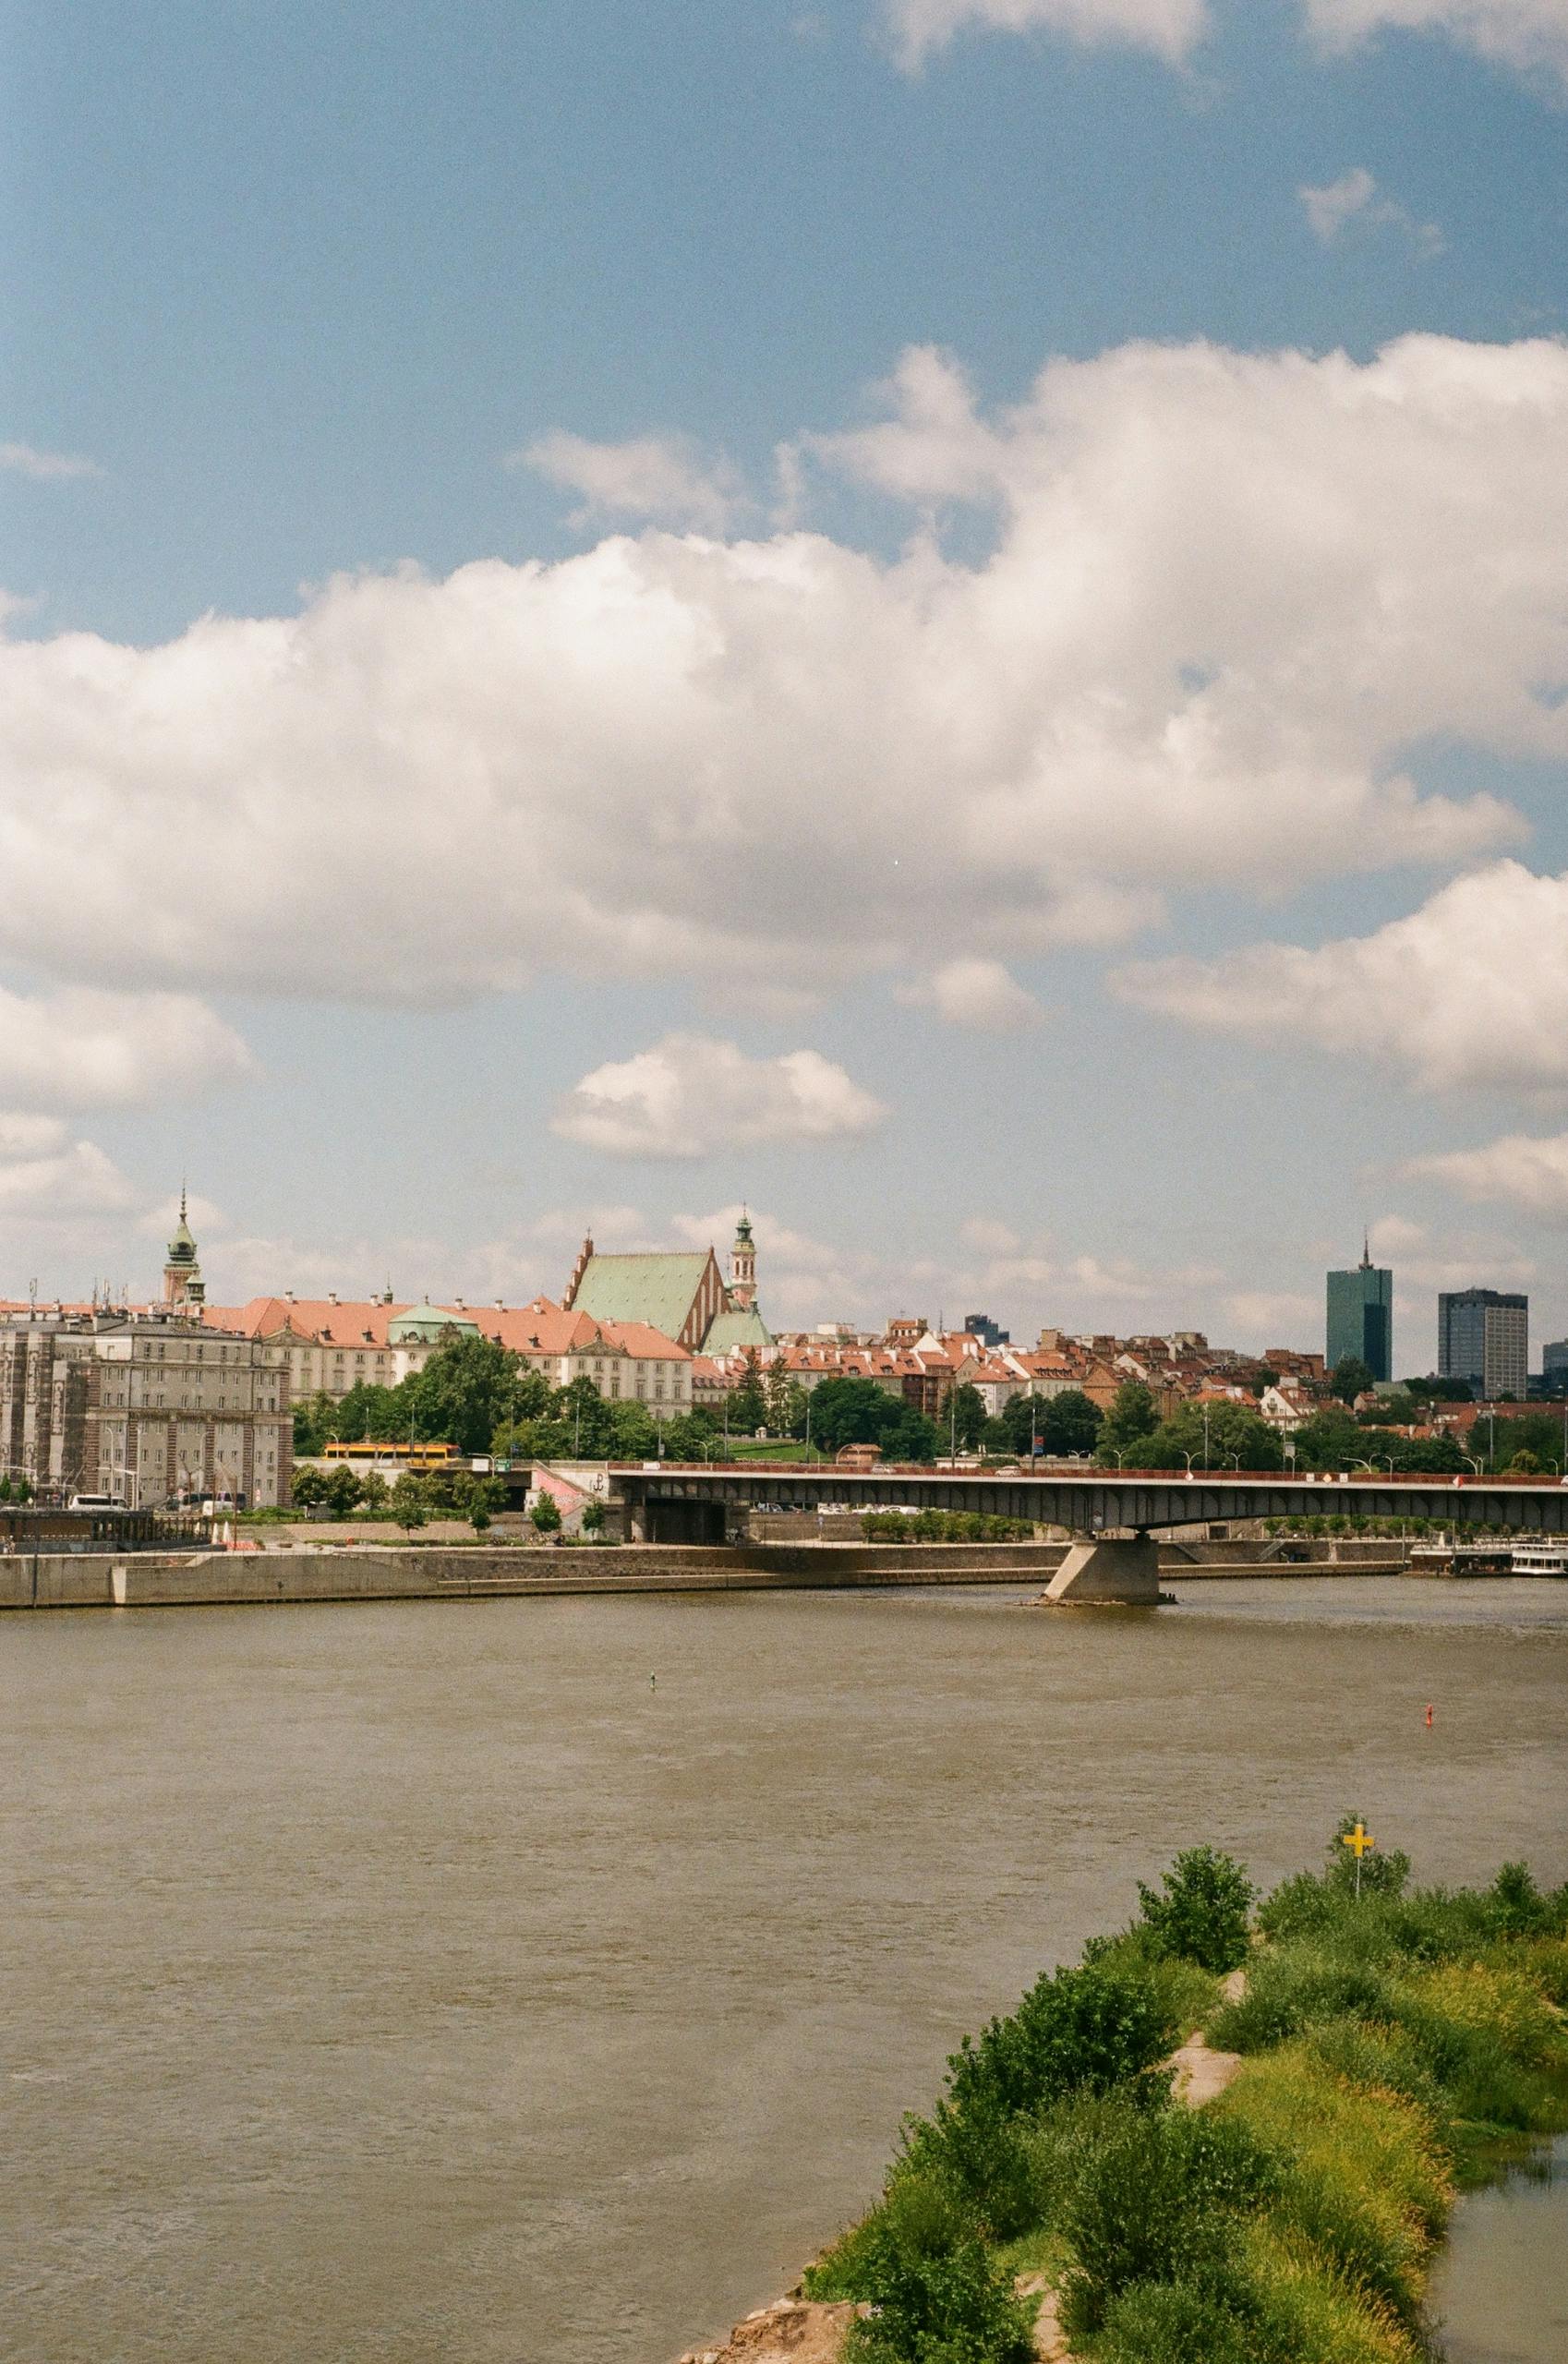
948,618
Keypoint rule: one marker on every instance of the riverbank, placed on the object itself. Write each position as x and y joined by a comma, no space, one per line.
1273,2192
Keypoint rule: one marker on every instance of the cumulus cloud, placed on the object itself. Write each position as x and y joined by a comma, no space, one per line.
1224,592
659,476
80,1049
1449,1263
1472,989
1529,35
691,1095
1353,198
1521,1170
44,1174
43,467
1169,27
976,993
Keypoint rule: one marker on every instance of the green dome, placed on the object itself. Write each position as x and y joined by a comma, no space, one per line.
426,1325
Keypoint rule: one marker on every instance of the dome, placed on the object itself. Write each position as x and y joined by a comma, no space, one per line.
426,1325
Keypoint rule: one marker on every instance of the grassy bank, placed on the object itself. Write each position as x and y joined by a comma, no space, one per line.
1391,2042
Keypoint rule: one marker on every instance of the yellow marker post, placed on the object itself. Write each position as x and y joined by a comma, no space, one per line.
1358,1840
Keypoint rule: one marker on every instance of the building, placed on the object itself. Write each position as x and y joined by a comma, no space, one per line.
149,1407
683,1294
981,1326
1484,1338
1360,1316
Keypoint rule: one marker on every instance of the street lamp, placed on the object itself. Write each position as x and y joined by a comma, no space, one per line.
1190,1458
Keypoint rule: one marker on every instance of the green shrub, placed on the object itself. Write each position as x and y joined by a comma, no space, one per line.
949,2307
1174,2322
1075,2031
1155,2202
1201,1910
1292,1990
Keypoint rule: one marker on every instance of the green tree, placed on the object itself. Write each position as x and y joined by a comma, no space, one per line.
1131,1419
632,1433
851,1411
1069,1423
315,1424
371,1413
1199,1909
468,1390
748,1405
546,1515
966,1416
1234,1433
342,1493
309,1487
775,1396
374,1493
1349,1378
910,1436
409,1502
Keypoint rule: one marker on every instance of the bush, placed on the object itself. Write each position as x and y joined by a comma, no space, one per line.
546,1515
953,2306
1156,2201
1202,1911
1173,2323
1077,2031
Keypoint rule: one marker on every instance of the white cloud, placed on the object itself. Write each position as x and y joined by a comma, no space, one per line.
1353,198
1225,591
1529,35
691,1095
1472,989
1169,27
44,1174
79,1049
1450,1262
1520,1170
976,993
659,476
987,1236
45,467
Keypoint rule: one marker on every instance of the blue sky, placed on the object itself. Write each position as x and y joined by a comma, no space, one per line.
310,293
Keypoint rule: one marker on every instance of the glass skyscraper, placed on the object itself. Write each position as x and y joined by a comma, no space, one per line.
1361,1316
1484,1336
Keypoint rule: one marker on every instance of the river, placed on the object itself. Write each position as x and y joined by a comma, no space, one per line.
424,1980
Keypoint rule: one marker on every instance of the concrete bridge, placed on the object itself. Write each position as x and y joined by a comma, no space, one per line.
1113,1515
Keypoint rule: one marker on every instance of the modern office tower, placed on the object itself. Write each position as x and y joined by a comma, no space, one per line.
1554,1367
1484,1337
1361,1316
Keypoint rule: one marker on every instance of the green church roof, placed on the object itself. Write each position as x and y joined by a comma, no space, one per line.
730,1330
660,1290
422,1325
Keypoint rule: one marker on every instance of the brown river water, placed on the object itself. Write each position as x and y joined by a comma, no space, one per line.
422,1981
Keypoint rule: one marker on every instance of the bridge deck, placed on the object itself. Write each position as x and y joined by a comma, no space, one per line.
1091,1501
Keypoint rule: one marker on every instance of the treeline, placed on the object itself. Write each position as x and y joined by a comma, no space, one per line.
1387,2036
944,1526
1235,1435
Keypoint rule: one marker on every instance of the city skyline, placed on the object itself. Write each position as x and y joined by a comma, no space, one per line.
680,777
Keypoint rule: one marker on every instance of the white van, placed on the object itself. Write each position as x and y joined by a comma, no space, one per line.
96,1503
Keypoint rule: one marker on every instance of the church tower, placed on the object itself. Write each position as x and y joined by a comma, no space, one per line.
742,1290
184,1287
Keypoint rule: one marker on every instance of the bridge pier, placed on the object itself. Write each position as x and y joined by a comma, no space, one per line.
1108,1569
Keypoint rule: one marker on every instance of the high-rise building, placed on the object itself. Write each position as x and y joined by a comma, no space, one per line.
980,1325
1554,1367
1484,1338
1360,1318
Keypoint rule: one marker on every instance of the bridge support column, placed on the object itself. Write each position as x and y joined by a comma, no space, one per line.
1108,1569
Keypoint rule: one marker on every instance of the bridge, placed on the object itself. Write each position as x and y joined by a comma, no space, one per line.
1112,1514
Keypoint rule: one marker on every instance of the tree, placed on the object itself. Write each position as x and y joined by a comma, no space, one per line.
372,1414
748,1405
342,1493
910,1436
546,1515
1232,1432
468,1390
1349,1378
1069,1423
1523,1463
409,1502
776,1397
315,1424
966,1416
1199,1909
309,1487
374,1493
851,1411
1131,1419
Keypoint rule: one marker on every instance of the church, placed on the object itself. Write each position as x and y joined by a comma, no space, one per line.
683,1294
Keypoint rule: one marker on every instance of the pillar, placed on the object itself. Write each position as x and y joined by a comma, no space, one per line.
1108,1569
